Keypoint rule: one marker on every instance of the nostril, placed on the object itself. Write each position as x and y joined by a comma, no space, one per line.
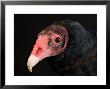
39,50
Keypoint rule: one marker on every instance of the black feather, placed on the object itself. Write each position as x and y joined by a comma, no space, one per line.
80,56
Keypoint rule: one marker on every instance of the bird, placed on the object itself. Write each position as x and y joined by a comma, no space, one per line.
69,48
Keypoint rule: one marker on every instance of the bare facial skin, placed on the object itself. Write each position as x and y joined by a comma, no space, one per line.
50,42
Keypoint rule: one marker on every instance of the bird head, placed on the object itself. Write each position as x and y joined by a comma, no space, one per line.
51,41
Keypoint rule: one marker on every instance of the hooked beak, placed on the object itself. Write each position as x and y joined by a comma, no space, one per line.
39,52
32,61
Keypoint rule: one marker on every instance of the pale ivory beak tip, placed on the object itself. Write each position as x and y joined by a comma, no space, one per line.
32,61
29,68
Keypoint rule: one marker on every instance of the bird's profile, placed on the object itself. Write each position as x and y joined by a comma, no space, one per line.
73,49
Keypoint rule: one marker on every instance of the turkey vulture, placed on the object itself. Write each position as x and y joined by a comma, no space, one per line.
72,47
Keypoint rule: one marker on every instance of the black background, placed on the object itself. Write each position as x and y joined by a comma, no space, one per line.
26,29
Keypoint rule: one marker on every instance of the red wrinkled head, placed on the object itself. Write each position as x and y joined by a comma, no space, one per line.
51,41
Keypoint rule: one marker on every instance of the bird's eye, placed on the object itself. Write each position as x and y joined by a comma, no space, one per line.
57,40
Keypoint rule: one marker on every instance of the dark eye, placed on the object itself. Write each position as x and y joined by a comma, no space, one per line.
57,40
